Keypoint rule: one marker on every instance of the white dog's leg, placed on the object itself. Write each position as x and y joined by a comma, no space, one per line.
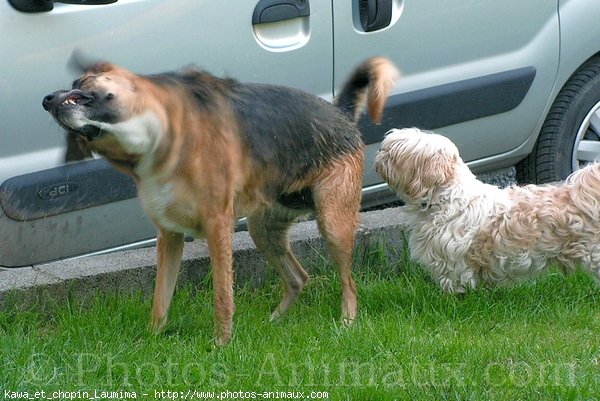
446,284
468,279
450,285
455,278
591,263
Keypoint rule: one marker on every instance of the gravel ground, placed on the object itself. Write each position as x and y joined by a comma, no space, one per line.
501,178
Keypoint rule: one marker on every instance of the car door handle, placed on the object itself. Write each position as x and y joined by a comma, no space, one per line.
279,10
375,14
40,6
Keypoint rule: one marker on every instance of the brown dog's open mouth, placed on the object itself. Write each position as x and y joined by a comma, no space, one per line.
76,97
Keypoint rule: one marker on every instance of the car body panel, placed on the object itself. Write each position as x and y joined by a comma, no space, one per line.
434,45
579,41
163,35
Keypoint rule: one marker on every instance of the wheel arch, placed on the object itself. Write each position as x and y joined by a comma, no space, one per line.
536,166
579,47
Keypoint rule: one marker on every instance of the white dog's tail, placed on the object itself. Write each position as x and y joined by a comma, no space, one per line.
585,191
368,86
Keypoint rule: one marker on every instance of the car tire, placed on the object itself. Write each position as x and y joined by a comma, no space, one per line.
570,135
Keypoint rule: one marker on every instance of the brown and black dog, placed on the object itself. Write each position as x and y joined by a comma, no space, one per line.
204,151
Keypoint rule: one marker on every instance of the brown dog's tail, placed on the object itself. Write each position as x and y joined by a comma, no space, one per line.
368,86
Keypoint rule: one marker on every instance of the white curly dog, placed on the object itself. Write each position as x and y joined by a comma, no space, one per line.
465,231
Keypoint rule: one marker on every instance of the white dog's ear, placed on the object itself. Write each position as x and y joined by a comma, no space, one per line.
432,172
442,168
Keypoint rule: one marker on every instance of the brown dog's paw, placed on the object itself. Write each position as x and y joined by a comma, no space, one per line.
157,325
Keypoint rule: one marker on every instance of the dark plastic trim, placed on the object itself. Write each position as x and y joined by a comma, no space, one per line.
40,6
279,10
64,189
452,103
375,14
32,6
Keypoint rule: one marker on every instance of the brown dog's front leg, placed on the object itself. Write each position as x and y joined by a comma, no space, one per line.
219,233
169,248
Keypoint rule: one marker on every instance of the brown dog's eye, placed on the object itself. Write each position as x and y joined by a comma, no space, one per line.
110,96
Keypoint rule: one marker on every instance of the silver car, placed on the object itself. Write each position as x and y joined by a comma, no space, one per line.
512,83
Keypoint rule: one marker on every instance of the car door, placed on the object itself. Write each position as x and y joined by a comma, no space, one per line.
50,210
478,71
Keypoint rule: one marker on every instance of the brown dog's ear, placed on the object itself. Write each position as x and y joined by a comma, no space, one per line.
81,62
101,66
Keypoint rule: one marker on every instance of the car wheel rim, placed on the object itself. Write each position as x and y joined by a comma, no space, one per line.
587,141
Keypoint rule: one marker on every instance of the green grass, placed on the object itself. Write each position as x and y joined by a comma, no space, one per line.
536,341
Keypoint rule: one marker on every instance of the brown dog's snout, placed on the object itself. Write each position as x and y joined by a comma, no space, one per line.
72,97
48,100
51,100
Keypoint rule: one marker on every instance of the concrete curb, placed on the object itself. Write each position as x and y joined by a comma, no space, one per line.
133,271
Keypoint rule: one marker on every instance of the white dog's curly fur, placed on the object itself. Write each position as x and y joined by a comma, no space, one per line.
466,232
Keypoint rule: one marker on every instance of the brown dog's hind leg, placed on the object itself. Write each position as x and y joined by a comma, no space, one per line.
219,234
269,231
169,248
337,197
